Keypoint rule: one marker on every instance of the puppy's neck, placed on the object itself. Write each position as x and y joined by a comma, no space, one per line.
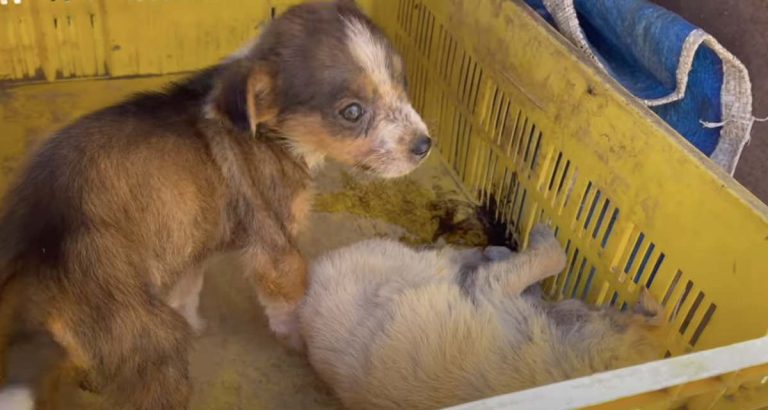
309,158
312,159
245,160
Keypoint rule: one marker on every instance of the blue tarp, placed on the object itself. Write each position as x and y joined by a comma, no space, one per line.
640,45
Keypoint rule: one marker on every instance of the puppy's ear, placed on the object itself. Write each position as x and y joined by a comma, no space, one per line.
244,96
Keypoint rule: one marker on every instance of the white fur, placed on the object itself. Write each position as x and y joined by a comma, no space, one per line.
313,158
369,52
185,299
391,327
284,322
16,398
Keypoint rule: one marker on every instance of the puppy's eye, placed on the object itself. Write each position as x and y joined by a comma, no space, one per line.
352,113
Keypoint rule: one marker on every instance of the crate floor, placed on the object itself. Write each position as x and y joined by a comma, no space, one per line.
236,363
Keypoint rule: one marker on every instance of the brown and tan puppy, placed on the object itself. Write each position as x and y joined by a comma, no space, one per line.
103,236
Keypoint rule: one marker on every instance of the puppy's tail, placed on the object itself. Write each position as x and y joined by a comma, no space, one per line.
16,398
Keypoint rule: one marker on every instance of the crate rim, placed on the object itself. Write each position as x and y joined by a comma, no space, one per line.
630,100
601,388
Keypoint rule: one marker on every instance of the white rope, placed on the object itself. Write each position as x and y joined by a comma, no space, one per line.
747,120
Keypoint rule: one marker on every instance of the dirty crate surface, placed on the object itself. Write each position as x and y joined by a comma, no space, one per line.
527,127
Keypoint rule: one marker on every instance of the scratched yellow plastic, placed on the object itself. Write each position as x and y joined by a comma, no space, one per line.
522,122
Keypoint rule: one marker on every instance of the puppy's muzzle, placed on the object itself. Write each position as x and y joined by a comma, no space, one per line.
421,146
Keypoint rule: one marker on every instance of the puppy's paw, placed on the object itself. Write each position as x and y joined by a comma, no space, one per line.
198,324
16,398
649,308
541,237
284,322
497,253
192,316
293,341
544,242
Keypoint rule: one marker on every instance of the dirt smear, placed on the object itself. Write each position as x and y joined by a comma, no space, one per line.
429,215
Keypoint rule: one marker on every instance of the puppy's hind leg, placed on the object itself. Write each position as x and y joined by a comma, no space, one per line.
134,349
649,309
513,274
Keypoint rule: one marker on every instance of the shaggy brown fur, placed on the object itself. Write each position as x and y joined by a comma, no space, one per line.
104,233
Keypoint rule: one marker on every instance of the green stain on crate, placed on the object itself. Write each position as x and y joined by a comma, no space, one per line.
427,214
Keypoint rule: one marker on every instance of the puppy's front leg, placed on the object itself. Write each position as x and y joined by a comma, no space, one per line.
185,298
543,258
280,276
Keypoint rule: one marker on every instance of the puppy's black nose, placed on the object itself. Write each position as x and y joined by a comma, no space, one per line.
421,146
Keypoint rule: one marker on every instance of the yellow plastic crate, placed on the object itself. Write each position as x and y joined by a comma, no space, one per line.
532,129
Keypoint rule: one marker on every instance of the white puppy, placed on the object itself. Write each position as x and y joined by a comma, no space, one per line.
391,327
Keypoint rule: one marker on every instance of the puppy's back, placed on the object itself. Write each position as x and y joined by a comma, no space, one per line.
348,299
101,170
